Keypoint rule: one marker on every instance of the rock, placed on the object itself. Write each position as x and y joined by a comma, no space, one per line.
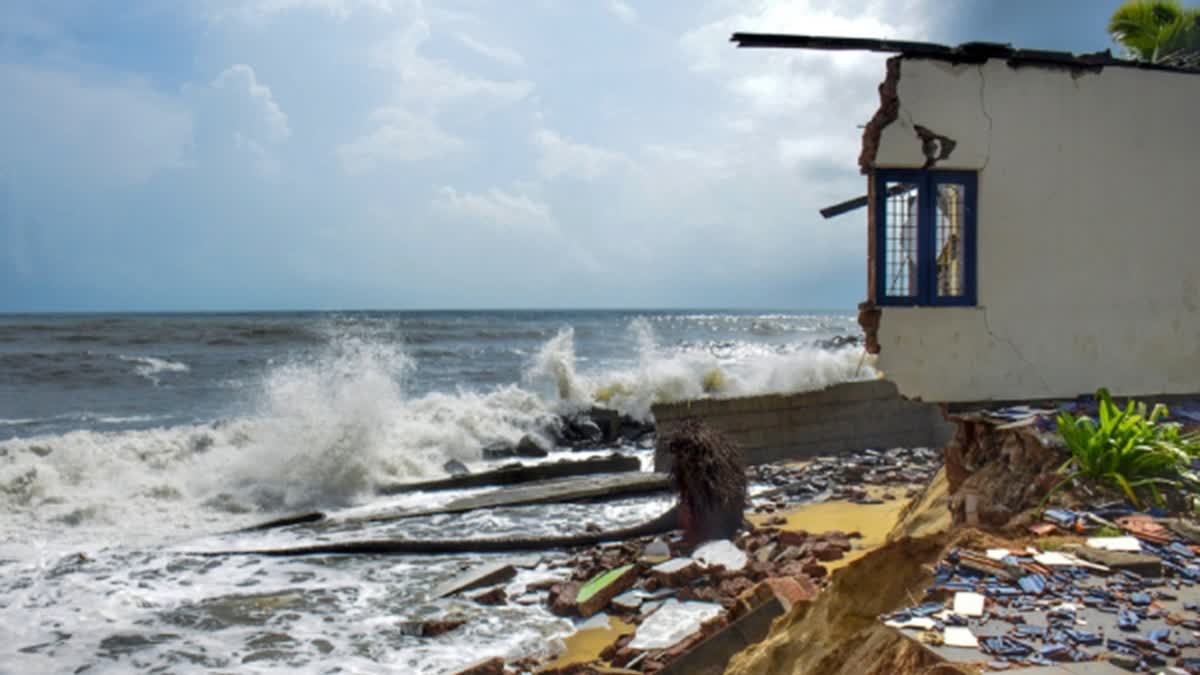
492,666
609,422
815,569
438,627
1184,528
495,596
791,553
562,598
826,552
533,446
583,431
765,552
793,590
839,541
792,537
499,450
735,586
455,468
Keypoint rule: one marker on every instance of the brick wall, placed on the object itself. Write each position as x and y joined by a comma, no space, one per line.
841,418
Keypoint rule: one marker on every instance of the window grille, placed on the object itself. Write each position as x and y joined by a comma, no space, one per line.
925,237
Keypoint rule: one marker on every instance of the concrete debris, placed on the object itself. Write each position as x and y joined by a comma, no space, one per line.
596,593
959,636
1115,543
431,627
491,597
492,666
656,551
1065,606
968,604
628,601
672,622
675,572
477,577
721,553
1138,563
845,476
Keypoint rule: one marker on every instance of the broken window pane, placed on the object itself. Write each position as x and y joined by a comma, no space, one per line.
951,216
900,252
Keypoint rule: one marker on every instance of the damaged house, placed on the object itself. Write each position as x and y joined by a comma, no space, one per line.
1033,225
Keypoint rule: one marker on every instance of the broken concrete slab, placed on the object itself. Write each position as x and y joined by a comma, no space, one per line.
721,552
596,593
672,622
675,572
628,601
521,473
581,488
712,655
476,577
1138,563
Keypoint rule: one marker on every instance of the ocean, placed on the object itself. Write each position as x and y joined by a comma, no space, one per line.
130,442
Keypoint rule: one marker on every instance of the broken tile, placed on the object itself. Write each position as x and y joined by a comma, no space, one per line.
968,604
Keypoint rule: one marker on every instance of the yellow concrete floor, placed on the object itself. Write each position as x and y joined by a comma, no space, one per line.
586,645
872,521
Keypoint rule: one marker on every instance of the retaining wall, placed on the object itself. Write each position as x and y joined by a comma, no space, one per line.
842,418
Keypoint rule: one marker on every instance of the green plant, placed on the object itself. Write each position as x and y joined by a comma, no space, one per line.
1129,449
1155,30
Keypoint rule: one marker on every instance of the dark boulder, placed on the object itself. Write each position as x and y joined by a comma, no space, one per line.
499,450
581,431
455,468
533,445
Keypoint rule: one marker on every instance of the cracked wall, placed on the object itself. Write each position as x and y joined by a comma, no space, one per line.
1087,232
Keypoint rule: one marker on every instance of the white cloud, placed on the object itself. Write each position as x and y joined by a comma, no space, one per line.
431,82
260,10
105,129
623,11
831,92
784,80
794,152
407,128
558,156
496,209
258,115
264,162
398,136
237,113
505,55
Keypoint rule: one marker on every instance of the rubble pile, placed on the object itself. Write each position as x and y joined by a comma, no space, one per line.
677,598
846,477
1115,585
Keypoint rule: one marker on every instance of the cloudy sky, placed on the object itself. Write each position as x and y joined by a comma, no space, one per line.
288,154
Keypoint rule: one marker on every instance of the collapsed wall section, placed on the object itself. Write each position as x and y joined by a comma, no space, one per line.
842,418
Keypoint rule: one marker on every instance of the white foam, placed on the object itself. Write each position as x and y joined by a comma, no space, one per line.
695,371
151,367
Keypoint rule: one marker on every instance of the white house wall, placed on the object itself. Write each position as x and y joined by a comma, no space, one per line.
1088,234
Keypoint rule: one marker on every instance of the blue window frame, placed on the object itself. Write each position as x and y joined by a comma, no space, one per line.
925,237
